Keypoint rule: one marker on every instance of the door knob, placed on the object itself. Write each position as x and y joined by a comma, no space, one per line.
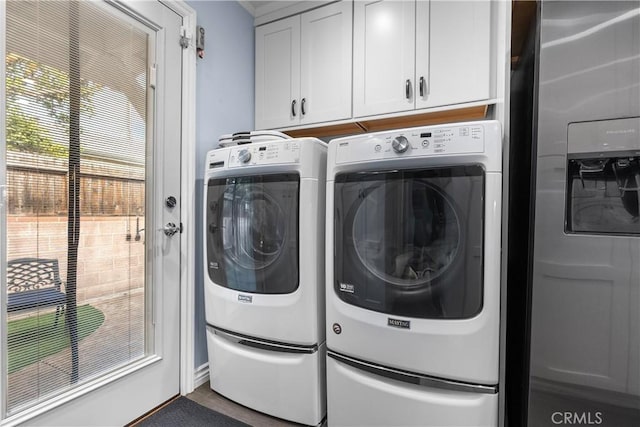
170,229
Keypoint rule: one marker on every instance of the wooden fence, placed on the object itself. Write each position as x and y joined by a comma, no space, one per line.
38,185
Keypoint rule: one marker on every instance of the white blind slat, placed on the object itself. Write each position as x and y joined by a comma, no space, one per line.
112,132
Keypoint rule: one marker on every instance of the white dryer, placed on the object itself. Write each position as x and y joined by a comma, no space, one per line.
264,276
413,276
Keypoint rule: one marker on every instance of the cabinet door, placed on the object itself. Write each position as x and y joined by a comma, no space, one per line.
453,52
384,57
278,74
326,63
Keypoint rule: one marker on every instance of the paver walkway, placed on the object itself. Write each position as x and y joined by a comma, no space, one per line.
118,341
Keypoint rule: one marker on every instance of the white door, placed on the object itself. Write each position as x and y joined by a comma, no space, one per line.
453,52
383,57
126,60
326,48
278,74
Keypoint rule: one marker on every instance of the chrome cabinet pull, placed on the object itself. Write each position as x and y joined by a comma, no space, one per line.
422,86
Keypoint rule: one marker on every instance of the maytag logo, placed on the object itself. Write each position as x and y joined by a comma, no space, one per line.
344,144
347,287
620,131
398,323
245,298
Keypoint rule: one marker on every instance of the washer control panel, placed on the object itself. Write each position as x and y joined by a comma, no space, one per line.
244,155
416,142
264,154
400,144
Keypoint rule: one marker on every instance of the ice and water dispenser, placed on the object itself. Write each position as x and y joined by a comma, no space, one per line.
603,177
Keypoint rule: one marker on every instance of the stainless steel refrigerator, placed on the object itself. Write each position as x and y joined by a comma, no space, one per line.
574,302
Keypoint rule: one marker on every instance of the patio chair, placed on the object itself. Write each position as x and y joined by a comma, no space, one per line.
34,283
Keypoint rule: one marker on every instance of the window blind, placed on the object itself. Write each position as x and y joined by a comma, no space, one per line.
77,115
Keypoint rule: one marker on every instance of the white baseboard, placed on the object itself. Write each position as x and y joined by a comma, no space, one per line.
201,375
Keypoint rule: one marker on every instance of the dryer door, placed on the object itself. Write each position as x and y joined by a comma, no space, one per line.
410,243
252,236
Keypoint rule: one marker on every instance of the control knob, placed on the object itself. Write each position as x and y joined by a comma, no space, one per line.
400,144
244,155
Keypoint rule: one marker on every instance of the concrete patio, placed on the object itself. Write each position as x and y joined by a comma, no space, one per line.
118,341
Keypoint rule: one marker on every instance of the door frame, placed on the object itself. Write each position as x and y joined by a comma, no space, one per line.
187,211
188,208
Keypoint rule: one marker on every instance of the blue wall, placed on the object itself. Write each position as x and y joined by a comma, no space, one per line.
224,103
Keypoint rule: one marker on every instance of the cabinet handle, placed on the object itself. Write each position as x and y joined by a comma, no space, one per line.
422,86
304,100
407,89
293,108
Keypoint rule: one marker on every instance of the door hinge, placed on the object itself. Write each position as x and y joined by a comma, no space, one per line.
3,195
185,37
153,76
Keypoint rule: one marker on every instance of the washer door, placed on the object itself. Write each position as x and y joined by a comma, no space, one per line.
252,236
409,243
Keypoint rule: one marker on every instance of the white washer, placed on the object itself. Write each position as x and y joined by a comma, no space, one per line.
413,276
264,276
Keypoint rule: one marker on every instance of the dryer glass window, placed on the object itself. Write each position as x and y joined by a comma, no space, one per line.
252,236
410,243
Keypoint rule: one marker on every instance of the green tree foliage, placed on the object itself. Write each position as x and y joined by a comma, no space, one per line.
24,133
46,90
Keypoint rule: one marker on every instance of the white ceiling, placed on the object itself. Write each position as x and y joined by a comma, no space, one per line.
279,8
260,7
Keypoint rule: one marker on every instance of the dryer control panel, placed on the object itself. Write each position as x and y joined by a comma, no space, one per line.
281,152
264,154
416,142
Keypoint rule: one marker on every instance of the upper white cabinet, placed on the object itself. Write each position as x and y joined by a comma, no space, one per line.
384,40
277,73
457,62
303,68
420,54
